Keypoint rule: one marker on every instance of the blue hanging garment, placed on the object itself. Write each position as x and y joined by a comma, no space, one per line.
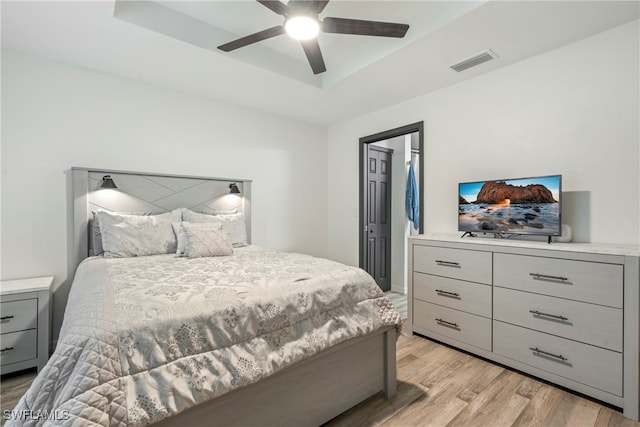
412,202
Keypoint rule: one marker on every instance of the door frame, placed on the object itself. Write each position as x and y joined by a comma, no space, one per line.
380,136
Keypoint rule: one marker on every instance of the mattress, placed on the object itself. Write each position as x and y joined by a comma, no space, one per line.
144,338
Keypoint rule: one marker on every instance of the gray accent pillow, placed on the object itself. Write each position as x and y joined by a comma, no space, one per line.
181,235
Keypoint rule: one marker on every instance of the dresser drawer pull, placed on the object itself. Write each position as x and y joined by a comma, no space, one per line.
447,294
6,349
546,353
548,277
6,317
555,316
448,263
449,324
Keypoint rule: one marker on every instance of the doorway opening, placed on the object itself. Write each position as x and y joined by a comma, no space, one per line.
385,160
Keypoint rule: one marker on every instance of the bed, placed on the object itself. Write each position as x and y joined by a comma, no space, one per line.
254,337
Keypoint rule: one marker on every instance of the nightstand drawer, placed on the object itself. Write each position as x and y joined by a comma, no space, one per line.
471,297
461,326
18,346
18,315
586,364
473,266
593,282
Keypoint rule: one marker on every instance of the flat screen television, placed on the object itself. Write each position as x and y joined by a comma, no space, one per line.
511,206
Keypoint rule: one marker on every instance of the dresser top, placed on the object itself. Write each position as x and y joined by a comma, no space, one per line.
32,284
593,248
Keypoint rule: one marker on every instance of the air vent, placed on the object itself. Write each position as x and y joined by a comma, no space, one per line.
478,59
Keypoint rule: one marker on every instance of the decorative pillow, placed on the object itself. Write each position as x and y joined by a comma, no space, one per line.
135,235
181,235
206,240
234,224
96,237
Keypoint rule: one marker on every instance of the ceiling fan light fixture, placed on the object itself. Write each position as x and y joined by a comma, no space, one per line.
302,27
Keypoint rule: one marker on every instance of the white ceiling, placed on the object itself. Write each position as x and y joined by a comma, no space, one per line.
173,44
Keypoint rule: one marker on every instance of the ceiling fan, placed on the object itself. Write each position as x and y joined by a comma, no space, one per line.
301,22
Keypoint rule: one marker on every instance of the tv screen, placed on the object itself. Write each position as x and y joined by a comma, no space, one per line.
513,206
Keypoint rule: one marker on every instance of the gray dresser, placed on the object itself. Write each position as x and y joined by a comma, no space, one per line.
567,313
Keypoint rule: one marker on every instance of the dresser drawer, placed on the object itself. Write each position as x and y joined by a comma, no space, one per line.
18,315
18,346
593,366
474,266
471,297
461,326
592,282
580,321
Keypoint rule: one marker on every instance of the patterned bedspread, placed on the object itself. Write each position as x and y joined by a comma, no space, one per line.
144,338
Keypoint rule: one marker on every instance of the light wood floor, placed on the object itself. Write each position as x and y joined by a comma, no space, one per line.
440,386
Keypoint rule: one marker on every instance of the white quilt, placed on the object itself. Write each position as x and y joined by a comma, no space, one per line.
144,338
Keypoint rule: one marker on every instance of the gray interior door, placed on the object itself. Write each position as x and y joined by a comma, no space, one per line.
378,215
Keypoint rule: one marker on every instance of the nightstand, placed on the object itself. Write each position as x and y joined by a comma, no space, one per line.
24,323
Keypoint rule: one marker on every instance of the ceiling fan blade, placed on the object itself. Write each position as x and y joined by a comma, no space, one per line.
319,5
315,6
252,38
314,56
364,28
275,5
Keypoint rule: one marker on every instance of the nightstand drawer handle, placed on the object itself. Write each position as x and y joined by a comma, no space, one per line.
449,324
6,349
555,316
546,276
448,263
546,353
6,317
447,294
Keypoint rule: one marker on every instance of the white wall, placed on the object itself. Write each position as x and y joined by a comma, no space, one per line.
56,116
573,110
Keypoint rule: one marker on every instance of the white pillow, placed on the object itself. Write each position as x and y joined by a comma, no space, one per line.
96,236
234,224
197,217
135,235
206,240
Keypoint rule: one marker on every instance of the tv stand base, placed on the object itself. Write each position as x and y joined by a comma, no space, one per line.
497,235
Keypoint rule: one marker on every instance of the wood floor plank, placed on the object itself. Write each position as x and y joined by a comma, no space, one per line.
442,402
427,412
584,413
539,407
497,405
377,409
609,418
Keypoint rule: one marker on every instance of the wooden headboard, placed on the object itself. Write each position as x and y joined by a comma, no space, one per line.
149,193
